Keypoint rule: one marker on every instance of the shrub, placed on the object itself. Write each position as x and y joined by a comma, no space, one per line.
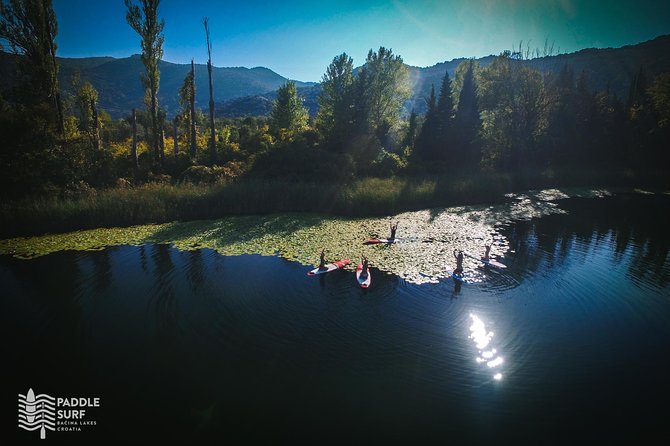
215,174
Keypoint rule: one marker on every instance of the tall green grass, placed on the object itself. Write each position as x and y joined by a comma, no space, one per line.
158,203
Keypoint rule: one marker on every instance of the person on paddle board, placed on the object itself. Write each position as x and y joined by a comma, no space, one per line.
486,254
459,262
394,228
364,262
322,261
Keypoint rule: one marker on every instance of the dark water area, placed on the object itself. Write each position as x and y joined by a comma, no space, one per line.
195,347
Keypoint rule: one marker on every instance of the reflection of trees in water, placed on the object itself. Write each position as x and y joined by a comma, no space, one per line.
143,259
649,239
102,269
51,287
195,269
163,300
633,226
59,280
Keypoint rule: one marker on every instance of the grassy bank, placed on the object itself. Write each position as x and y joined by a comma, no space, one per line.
158,203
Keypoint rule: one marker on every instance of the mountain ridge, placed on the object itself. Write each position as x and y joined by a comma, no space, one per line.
120,89
247,91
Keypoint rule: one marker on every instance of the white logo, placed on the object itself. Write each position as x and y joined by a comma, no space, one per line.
37,412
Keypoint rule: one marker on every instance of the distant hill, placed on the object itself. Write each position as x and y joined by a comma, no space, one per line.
613,66
261,105
119,87
250,91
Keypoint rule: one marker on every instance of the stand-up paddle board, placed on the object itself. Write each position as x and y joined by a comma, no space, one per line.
459,277
364,278
374,241
490,261
329,267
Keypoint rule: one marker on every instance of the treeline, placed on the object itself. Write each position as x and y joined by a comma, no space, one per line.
504,118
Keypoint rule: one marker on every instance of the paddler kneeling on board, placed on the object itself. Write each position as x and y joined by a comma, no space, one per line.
322,261
486,254
394,228
459,262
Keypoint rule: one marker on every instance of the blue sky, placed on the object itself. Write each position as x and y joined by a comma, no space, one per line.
298,39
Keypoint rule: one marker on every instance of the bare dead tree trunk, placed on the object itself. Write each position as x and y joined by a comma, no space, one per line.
96,126
133,150
154,126
161,141
193,131
176,146
212,142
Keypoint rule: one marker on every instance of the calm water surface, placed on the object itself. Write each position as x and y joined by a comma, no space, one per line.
570,344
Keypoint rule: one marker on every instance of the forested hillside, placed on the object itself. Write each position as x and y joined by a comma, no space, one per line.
119,88
249,92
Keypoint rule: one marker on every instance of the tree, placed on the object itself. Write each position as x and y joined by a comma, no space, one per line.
410,136
193,132
133,147
659,96
144,20
638,103
562,137
467,120
30,29
288,116
336,103
426,141
610,132
637,91
87,103
162,114
175,134
187,102
436,132
444,112
384,82
642,122
212,129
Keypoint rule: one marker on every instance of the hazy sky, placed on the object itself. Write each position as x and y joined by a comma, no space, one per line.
298,39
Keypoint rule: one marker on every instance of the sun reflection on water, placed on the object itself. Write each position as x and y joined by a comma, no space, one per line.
485,352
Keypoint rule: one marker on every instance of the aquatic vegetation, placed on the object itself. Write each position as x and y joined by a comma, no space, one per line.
428,237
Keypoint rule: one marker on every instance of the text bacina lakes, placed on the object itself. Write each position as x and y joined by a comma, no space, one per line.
71,413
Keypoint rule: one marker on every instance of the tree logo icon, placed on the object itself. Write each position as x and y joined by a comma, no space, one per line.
37,412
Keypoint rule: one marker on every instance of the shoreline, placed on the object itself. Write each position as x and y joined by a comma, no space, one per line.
431,234
158,203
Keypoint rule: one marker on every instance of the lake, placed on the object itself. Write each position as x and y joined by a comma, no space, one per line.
570,343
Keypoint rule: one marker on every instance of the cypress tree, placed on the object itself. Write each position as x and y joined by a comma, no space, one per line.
443,119
468,121
425,144
410,136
